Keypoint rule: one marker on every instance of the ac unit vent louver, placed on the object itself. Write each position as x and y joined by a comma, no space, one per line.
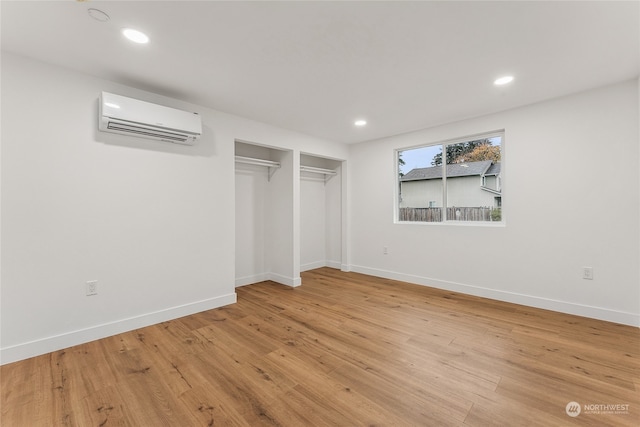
123,127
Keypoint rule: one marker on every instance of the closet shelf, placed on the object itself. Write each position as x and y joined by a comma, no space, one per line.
270,164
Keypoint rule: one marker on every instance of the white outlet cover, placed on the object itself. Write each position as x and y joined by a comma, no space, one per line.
92,287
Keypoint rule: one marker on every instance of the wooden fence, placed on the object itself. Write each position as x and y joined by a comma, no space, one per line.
453,214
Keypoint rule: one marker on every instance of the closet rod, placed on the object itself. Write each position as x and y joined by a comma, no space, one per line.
258,162
318,170
269,164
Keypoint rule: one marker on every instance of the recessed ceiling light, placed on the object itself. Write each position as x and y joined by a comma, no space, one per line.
98,15
135,36
503,80
360,122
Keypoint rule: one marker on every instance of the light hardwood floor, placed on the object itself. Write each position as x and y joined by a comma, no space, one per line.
344,349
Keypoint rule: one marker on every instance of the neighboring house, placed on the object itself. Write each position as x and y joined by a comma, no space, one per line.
471,184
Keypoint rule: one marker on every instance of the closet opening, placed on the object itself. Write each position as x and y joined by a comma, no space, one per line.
264,215
320,212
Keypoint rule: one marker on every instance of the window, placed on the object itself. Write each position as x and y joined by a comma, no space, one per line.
452,181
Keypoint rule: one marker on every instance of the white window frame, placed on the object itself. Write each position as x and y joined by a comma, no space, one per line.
445,221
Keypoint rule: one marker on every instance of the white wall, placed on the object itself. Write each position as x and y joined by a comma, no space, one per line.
571,199
283,219
334,207
251,205
152,222
312,223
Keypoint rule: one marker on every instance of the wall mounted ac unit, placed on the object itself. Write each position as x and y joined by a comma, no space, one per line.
128,116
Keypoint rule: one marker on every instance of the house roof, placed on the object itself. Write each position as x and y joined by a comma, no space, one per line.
494,169
485,167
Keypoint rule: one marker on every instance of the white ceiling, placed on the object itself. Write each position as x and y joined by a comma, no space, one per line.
315,67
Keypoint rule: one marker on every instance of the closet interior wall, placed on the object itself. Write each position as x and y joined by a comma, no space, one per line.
320,214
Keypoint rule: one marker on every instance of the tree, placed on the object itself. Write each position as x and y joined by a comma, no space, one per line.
456,152
400,164
480,153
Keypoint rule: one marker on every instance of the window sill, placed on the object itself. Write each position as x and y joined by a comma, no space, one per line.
496,224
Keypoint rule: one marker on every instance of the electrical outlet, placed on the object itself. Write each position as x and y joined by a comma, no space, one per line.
92,287
587,273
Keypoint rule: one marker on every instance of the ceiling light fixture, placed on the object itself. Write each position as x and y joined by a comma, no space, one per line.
135,36
503,80
360,122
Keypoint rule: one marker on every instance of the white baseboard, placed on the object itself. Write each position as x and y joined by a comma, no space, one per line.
313,265
319,264
284,280
257,278
249,280
600,313
49,344
334,264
